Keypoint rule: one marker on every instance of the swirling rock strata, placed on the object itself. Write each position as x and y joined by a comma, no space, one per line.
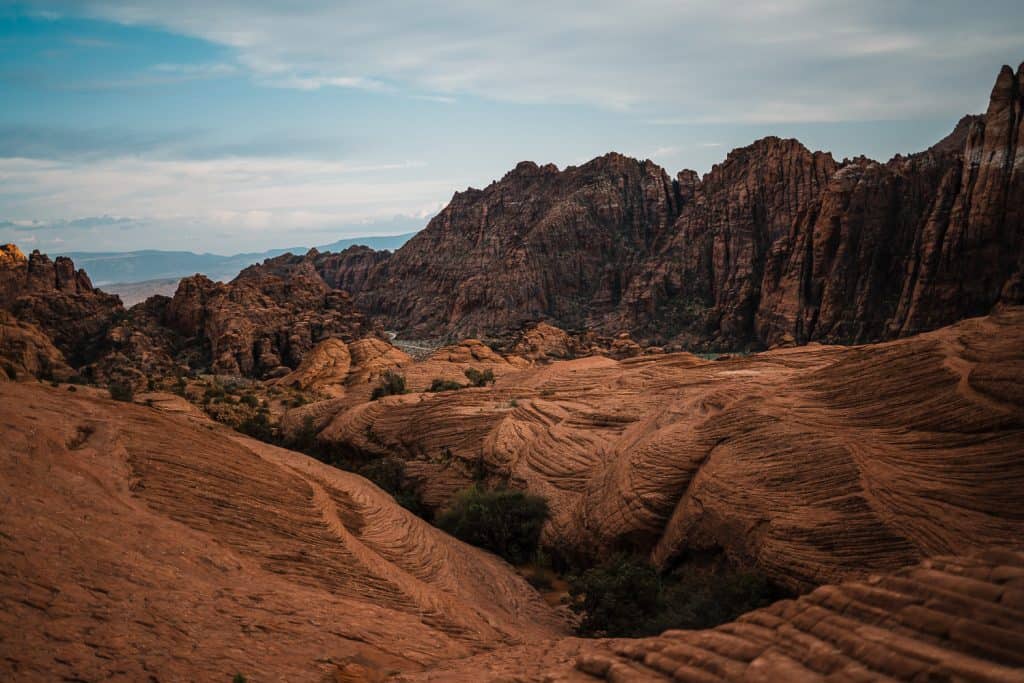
814,464
139,543
951,618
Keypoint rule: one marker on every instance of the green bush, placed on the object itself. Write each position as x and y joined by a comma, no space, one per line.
250,400
444,385
121,392
390,384
258,427
627,597
479,379
504,521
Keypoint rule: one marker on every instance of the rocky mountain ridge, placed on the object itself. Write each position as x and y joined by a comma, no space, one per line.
777,244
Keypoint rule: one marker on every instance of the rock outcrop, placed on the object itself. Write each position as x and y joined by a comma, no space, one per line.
951,618
263,322
776,245
815,464
538,243
25,352
140,543
57,299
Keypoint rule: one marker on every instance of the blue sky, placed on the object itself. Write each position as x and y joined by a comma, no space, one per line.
249,124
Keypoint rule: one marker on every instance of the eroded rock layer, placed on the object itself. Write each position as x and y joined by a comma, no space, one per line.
952,618
814,464
142,544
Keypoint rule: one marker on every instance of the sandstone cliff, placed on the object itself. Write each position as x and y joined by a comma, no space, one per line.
57,299
538,243
775,245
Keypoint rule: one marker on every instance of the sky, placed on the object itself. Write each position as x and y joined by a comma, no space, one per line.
244,125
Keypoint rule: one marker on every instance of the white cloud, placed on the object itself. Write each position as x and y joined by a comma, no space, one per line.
742,61
246,201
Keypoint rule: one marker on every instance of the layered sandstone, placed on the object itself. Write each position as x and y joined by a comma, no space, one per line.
814,464
142,543
951,618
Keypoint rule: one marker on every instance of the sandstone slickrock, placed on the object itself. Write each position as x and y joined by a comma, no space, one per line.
141,544
951,618
776,245
815,464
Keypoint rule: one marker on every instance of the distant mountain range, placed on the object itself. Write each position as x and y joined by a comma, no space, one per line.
127,267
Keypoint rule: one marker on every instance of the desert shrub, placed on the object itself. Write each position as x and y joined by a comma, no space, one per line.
258,427
250,400
444,385
389,474
479,379
390,384
625,596
239,678
12,372
120,391
504,521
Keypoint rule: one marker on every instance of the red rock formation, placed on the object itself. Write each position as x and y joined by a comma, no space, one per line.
775,245
139,543
952,618
539,243
25,352
59,300
815,464
264,321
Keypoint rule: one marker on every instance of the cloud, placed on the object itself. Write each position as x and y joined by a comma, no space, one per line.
743,61
245,201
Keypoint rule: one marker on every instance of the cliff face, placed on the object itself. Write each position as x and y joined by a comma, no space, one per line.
264,321
538,244
775,245
57,299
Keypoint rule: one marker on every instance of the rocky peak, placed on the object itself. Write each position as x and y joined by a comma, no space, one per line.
11,255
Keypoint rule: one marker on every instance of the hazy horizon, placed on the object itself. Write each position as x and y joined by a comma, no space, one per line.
244,126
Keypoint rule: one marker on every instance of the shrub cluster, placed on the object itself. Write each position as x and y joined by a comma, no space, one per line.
121,392
444,385
626,596
390,384
505,521
479,379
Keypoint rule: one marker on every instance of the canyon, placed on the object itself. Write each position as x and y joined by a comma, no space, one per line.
805,368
